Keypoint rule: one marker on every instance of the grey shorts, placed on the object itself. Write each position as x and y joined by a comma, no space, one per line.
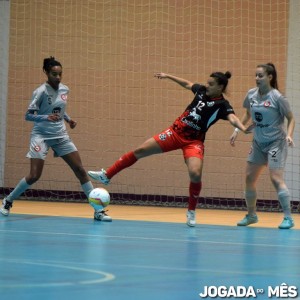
273,154
39,147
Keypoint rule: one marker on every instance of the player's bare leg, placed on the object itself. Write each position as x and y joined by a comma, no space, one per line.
148,148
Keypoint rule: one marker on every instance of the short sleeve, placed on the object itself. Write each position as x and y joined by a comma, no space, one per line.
196,87
35,100
284,106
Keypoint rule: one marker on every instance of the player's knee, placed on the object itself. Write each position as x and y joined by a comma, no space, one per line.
140,152
33,178
195,175
250,194
250,180
277,182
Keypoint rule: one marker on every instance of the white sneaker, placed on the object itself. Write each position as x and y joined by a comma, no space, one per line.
100,215
99,176
248,220
191,218
5,207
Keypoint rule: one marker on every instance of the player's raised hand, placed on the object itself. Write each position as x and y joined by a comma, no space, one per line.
160,75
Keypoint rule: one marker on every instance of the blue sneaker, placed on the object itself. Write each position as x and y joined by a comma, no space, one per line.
287,223
248,220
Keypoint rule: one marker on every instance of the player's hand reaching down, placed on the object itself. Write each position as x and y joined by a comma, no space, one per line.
290,141
235,133
233,138
72,124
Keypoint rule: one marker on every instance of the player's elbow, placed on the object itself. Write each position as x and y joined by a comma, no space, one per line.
29,115
188,85
232,119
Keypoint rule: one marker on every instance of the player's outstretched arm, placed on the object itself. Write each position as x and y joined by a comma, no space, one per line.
246,117
182,82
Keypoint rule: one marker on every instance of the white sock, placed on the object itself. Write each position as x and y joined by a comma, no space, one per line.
21,187
251,198
87,188
285,201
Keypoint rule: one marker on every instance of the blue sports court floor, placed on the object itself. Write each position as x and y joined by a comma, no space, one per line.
46,257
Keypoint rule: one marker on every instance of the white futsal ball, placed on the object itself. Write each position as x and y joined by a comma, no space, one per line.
99,198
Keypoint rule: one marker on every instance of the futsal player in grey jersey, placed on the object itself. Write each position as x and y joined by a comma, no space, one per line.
267,108
47,111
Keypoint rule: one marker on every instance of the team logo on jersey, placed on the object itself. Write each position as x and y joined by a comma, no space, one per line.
267,103
258,117
64,97
49,100
210,103
196,117
56,110
37,148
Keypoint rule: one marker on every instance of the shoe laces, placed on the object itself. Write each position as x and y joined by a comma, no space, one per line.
7,204
101,212
104,212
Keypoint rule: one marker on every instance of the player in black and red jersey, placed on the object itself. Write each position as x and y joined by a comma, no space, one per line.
186,133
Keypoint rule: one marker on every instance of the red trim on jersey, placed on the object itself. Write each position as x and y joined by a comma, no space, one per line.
218,98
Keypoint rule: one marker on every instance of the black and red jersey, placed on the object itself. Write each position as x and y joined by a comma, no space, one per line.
200,114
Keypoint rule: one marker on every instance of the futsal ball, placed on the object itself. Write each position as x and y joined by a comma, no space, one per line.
99,198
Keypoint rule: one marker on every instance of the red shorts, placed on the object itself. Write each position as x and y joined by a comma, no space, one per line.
169,140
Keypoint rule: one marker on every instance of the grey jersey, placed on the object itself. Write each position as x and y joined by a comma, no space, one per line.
46,101
268,113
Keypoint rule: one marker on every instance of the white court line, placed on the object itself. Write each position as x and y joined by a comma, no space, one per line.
104,276
62,264
198,241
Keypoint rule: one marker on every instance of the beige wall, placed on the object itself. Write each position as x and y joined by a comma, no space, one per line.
110,51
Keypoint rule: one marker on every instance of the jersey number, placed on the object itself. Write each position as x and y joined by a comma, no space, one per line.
274,153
